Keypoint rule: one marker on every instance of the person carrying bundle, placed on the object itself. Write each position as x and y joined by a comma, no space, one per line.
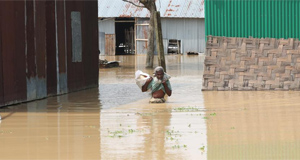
159,84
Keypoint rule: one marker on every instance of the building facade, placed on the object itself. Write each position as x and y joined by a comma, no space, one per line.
252,45
255,18
47,48
123,27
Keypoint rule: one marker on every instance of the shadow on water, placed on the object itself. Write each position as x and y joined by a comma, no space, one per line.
61,127
80,101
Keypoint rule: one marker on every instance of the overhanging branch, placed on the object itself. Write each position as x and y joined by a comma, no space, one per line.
134,4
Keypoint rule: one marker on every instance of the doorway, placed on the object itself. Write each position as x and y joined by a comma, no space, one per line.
125,43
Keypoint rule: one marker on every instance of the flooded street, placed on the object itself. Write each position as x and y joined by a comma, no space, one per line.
116,121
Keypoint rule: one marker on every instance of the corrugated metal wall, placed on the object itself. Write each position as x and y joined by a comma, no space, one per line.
110,44
102,43
40,50
91,43
83,74
191,32
1,63
107,26
256,18
61,49
141,35
36,49
13,50
51,48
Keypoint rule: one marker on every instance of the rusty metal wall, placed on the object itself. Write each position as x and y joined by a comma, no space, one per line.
51,48
41,48
91,44
141,36
61,48
13,51
36,49
30,53
75,69
83,74
110,44
1,61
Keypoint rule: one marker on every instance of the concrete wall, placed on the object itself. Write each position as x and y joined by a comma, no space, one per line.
251,64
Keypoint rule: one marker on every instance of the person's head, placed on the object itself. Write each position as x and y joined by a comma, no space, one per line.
159,72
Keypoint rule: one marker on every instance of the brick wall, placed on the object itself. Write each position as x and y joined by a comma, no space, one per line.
251,64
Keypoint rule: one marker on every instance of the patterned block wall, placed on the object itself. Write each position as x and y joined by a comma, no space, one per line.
251,64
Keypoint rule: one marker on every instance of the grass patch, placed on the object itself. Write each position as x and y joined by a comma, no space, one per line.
186,109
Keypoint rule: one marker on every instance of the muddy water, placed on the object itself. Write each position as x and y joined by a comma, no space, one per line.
115,121
139,130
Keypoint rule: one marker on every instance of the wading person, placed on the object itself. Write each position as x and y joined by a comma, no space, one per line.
159,85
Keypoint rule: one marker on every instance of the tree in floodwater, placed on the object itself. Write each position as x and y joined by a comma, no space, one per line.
154,25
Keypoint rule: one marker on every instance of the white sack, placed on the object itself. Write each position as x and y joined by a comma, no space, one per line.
141,78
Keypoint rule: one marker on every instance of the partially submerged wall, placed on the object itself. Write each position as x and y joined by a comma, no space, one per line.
36,49
251,64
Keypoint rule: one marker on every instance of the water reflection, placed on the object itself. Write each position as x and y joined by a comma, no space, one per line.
115,121
63,127
253,125
117,85
131,128
152,131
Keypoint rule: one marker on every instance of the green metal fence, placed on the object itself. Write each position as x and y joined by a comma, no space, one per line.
256,18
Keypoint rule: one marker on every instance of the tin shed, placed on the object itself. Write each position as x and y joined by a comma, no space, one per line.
47,48
182,23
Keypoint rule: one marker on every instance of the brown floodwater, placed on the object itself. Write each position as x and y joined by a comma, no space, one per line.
115,121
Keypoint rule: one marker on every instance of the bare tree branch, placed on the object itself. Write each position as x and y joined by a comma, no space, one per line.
133,3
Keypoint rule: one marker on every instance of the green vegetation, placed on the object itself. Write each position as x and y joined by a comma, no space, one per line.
213,114
179,146
175,146
122,133
145,114
202,148
187,109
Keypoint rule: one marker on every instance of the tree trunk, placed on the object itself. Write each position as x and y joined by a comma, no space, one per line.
150,5
159,41
150,49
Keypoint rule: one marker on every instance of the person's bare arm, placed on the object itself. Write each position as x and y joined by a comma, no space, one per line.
145,86
167,89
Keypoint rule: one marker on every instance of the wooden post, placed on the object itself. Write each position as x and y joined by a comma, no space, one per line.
159,41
